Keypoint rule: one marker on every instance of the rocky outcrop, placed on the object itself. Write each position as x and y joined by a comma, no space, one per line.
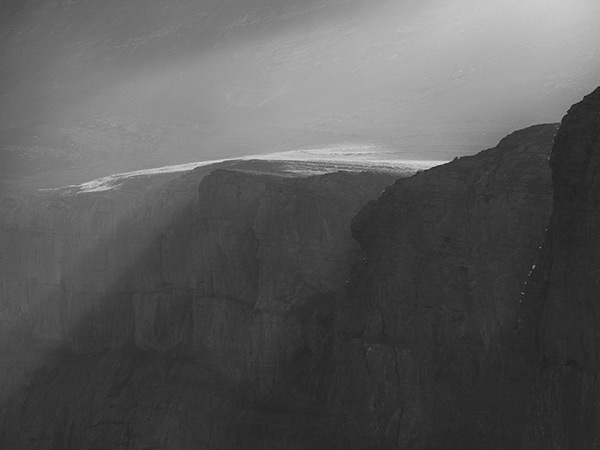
174,316
427,328
561,321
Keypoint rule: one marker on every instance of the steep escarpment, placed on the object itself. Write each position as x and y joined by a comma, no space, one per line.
427,328
236,310
175,316
561,321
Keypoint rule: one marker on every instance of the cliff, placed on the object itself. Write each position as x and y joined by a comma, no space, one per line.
448,252
561,323
238,309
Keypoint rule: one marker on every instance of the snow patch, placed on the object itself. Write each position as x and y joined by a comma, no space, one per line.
310,161
114,181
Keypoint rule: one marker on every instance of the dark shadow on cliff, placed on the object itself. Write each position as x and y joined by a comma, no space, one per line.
428,324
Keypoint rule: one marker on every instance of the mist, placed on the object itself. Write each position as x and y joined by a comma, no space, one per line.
127,85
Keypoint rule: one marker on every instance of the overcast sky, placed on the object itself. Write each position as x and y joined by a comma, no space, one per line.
211,79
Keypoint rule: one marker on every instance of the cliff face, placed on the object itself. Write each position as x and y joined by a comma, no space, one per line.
176,316
236,310
448,252
561,320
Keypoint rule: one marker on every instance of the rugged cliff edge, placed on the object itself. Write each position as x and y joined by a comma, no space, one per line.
235,310
561,319
448,252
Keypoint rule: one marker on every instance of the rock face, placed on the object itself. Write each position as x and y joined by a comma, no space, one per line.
428,326
175,317
561,320
235,310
